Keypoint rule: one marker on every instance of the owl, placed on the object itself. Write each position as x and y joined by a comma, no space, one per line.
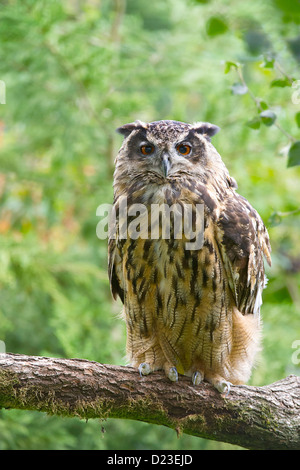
188,310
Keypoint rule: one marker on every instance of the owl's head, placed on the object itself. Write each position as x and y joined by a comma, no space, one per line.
166,149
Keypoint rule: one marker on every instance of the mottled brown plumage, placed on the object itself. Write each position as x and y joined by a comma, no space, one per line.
194,312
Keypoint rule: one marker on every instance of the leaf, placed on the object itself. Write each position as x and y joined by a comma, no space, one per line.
268,63
263,105
297,118
275,219
230,64
294,155
257,41
294,46
288,6
280,82
254,123
268,117
216,25
239,89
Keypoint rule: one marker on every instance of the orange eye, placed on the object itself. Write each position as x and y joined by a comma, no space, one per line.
147,149
183,149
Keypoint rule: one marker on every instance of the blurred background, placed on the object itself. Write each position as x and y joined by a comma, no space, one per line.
71,72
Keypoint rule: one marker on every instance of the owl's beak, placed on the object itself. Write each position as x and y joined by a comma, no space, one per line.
166,165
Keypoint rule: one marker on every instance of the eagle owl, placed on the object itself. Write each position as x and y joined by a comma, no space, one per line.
187,311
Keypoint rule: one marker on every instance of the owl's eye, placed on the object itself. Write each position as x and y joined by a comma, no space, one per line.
147,149
184,149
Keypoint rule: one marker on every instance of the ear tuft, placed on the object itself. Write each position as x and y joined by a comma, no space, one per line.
207,129
132,126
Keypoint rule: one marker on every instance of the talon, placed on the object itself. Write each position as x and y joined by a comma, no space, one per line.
173,374
223,387
144,369
197,378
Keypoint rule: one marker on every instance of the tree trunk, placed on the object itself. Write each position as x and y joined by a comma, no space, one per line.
265,417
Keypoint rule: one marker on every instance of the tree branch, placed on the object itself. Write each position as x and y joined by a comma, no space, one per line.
265,417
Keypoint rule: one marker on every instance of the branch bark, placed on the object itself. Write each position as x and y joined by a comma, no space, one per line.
265,417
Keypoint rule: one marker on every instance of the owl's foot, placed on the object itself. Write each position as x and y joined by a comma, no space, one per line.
172,374
222,385
197,377
145,369
170,371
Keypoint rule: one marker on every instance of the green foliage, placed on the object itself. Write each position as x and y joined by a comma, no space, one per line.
74,71
294,154
216,25
268,117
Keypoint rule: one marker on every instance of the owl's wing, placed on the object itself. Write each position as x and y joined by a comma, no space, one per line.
114,270
243,242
